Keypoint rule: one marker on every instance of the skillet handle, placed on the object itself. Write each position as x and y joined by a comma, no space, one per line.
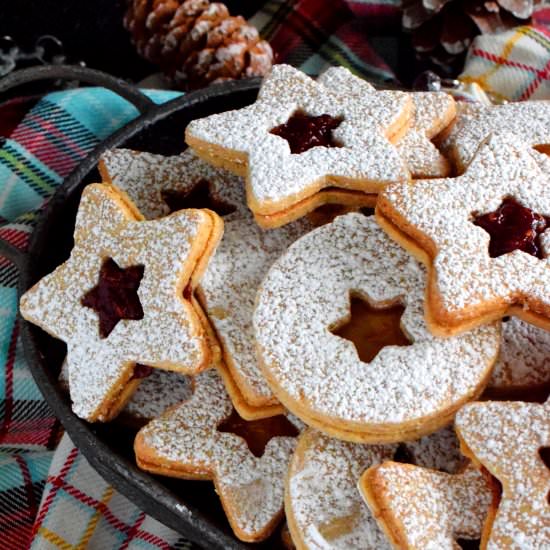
68,72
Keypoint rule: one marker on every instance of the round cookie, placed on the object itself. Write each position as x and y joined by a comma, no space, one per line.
325,510
404,391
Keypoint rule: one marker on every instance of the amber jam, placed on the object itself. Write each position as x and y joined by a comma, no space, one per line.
371,329
258,433
115,296
513,226
304,132
199,196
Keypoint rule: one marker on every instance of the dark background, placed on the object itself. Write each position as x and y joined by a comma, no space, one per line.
91,30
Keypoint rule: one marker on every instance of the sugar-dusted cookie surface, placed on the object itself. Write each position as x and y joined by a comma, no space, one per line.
423,509
483,235
511,439
323,506
204,438
234,273
523,365
433,112
400,391
298,138
119,299
158,390
528,119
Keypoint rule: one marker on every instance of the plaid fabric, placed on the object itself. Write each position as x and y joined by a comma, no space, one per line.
44,140
22,479
80,510
313,35
512,66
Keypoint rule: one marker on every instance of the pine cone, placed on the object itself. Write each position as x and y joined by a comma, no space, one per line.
442,30
196,42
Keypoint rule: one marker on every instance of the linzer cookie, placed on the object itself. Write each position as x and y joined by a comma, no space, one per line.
343,343
158,184
158,391
483,236
121,298
323,506
204,438
523,366
433,112
299,139
419,508
512,441
529,120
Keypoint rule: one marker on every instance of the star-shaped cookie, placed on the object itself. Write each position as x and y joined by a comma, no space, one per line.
423,509
432,114
167,256
528,119
203,439
512,441
483,236
234,273
252,141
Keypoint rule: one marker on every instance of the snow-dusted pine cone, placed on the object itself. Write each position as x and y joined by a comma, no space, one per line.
196,42
442,30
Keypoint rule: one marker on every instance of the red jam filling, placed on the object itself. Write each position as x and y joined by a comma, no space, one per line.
513,226
141,371
371,329
544,453
304,132
199,196
258,433
115,296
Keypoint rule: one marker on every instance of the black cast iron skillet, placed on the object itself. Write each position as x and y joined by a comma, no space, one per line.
190,507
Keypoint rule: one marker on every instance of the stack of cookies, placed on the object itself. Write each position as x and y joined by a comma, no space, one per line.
318,361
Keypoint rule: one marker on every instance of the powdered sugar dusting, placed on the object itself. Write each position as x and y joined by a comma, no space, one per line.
528,119
433,111
524,359
325,505
167,336
251,488
431,509
307,291
228,287
443,211
506,437
275,176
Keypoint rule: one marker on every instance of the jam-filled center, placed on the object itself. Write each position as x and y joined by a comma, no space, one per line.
513,226
199,195
371,329
302,131
258,433
115,296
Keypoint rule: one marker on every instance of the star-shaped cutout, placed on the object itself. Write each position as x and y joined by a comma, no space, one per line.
228,287
277,179
372,328
433,112
436,220
513,227
510,439
199,196
161,185
169,335
528,119
187,442
115,296
422,508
